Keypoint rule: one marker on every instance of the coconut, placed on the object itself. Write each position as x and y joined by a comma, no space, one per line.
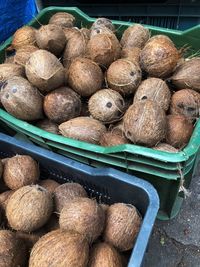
159,58
23,54
85,76
4,198
187,75
62,104
103,22
67,192
52,38
83,128
106,105
145,123
84,216
29,208
71,33
86,32
8,70
60,248
113,139
19,171
24,36
122,225
124,76
132,54
161,38
45,71
103,254
104,49
13,251
49,185
118,128
48,126
99,30
179,131
63,19
156,90
165,147
52,224
186,102
21,99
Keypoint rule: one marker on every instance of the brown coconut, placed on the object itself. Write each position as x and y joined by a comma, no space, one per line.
186,102
62,104
67,192
145,123
132,54
19,171
23,54
104,49
122,226
71,33
29,208
156,90
83,128
113,139
8,70
103,254
84,216
103,22
49,185
4,198
85,76
100,30
45,71
21,99
106,105
187,75
48,126
159,58
135,36
60,248
124,76
165,147
117,128
13,251
161,38
179,131
24,36
63,19
86,32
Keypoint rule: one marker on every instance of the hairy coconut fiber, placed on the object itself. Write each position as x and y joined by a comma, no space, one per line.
124,76
165,147
122,226
84,216
52,38
49,184
4,197
85,76
103,254
86,32
187,75
145,123
156,90
23,54
63,19
29,208
21,99
179,130
8,70
83,128
60,249
132,54
62,104
135,36
24,36
13,251
161,38
186,102
106,105
48,126
103,22
159,58
45,71
104,49
67,192
113,139
19,171
99,30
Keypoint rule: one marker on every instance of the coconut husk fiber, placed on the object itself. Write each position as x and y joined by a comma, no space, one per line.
24,36
113,139
8,70
23,54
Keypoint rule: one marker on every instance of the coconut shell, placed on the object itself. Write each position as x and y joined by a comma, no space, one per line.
67,192
23,54
62,104
145,123
122,226
71,33
103,22
49,185
63,19
60,248
45,71
48,126
135,36
124,76
186,102
24,36
161,38
159,58
8,70
13,251
19,171
156,90
83,128
4,198
100,30
106,105
112,139
187,75
29,208
84,216
132,54
52,224
179,131
165,147
21,99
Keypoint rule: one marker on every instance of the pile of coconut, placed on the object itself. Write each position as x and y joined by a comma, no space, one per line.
44,223
91,84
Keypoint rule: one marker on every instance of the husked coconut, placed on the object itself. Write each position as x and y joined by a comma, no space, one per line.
165,147
132,54
100,30
49,185
103,22
86,32
48,126
23,54
161,38
118,128
63,19
23,36
113,139
4,197
8,70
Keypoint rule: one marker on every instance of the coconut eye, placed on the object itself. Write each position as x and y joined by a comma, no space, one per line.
190,109
132,73
144,97
98,31
109,105
14,90
181,105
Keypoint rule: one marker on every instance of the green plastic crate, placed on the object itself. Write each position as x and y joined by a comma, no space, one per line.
166,171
